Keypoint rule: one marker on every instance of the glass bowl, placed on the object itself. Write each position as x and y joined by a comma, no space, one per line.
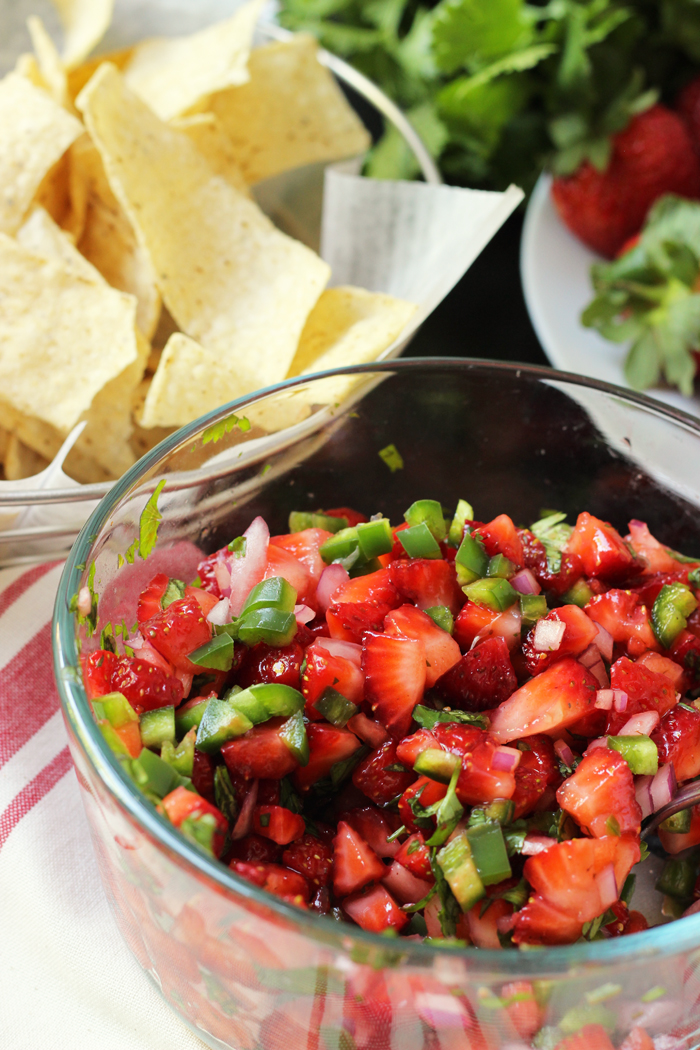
242,968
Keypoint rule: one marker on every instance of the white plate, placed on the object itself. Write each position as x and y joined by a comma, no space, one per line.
554,269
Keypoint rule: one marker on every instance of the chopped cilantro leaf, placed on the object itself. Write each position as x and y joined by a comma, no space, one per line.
224,426
427,718
149,521
392,457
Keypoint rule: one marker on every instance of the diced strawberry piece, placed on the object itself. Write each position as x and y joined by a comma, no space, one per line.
324,671
355,863
427,582
177,631
500,536
375,826
267,663
522,1008
665,666
97,673
181,804
590,1037
278,824
203,775
625,619
375,587
441,650
625,921
553,700
206,570
404,886
149,604
350,621
649,550
648,588
602,550
204,599
476,621
482,679
427,792
537,771
145,686
312,858
599,795
482,923
255,850
638,1039
304,546
646,691
571,875
478,780
677,737
268,792
686,652
579,632
281,563
408,749
289,885
327,745
261,752
394,679
369,731
539,922
375,910
353,517
675,843
415,855
375,778
535,559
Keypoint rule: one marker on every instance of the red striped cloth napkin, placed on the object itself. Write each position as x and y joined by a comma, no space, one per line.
68,979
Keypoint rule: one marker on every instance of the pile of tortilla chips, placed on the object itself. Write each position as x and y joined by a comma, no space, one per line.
140,284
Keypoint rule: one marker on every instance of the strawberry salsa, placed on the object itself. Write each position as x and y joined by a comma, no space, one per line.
445,729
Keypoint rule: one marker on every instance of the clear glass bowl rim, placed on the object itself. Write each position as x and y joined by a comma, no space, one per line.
665,940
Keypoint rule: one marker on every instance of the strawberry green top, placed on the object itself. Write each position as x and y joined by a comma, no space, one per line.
444,729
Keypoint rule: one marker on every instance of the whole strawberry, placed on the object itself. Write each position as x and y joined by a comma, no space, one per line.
652,156
688,105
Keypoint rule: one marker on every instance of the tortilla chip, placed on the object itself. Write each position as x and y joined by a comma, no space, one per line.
42,236
205,131
349,326
34,133
79,77
290,113
172,75
228,277
143,440
84,469
108,240
49,61
4,441
27,66
62,338
85,22
21,461
188,382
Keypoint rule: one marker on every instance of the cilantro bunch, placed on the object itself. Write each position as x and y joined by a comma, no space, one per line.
500,88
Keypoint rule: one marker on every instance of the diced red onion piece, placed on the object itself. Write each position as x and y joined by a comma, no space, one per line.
369,731
565,753
248,570
642,792
589,656
505,923
604,699
548,635
244,823
223,577
663,786
525,582
620,699
607,886
441,1011
641,724
221,613
84,601
145,651
593,662
505,759
337,647
604,643
600,741
332,577
303,614
535,844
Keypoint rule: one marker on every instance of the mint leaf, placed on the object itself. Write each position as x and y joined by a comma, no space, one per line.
149,521
470,33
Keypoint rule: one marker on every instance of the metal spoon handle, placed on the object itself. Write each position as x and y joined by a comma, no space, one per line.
687,796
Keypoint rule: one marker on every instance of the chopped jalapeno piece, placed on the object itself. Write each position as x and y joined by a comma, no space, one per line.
501,566
272,626
419,542
375,538
463,514
158,727
189,715
116,709
217,654
428,512
334,707
181,758
221,722
670,611
489,852
532,608
293,733
300,520
274,593
471,560
495,593
442,616
580,594
458,867
343,545
640,753
437,764
677,878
